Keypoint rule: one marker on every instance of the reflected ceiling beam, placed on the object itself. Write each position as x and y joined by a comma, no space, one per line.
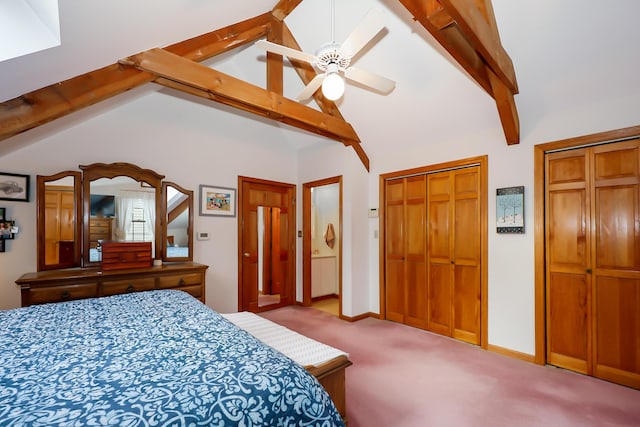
467,30
57,100
189,76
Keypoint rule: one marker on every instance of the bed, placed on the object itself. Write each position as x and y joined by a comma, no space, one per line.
148,358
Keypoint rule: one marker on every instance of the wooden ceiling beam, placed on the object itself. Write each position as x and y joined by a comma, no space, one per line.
57,100
467,30
476,28
228,90
452,40
275,63
284,8
503,96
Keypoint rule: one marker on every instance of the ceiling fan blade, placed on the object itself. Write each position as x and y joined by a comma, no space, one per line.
371,25
311,88
374,81
285,51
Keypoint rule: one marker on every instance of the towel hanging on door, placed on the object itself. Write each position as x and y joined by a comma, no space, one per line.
330,236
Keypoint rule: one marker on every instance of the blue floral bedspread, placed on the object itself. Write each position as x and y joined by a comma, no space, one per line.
158,358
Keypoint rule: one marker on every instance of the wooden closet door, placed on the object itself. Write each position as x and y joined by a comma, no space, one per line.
568,282
60,223
454,254
405,208
466,255
593,261
616,256
439,253
415,251
395,290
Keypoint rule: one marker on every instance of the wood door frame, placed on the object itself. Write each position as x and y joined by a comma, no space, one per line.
291,243
539,152
483,163
306,239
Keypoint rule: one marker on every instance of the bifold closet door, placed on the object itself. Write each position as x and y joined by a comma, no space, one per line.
60,223
405,254
593,261
454,253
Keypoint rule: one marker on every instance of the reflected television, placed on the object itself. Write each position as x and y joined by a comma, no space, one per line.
103,205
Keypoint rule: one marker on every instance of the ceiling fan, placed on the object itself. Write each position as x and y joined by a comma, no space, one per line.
333,60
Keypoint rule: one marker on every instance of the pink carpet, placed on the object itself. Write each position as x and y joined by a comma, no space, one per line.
406,377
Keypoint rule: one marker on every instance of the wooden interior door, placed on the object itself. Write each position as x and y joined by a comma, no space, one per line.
593,261
440,253
405,208
395,289
568,281
454,254
466,260
253,193
616,262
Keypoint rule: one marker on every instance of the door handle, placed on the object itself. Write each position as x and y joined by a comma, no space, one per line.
246,254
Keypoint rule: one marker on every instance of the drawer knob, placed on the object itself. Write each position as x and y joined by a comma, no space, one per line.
131,288
181,282
65,295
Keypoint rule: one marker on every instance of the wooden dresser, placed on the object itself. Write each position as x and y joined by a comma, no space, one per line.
99,229
77,283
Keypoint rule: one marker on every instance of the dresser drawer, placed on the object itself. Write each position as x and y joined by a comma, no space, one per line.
62,293
113,287
179,281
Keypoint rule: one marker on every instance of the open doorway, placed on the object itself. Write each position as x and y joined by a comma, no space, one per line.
322,244
266,244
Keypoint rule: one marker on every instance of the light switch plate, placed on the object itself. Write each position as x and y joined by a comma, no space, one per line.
202,236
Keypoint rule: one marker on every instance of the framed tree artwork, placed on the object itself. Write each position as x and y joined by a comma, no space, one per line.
510,210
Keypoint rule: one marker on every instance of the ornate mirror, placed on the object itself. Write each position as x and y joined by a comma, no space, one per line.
59,220
178,222
122,202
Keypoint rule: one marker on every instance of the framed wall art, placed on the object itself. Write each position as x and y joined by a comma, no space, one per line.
217,201
14,187
510,210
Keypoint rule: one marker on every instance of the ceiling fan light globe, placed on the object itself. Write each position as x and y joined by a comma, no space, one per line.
333,87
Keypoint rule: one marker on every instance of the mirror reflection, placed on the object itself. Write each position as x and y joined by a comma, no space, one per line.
270,275
179,211
59,211
121,209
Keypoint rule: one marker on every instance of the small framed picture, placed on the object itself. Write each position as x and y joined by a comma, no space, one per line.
217,201
7,229
510,210
14,187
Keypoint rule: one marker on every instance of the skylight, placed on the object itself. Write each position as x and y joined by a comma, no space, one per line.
28,26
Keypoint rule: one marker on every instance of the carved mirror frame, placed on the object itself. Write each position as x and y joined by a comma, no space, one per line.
73,255
78,255
96,171
168,219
